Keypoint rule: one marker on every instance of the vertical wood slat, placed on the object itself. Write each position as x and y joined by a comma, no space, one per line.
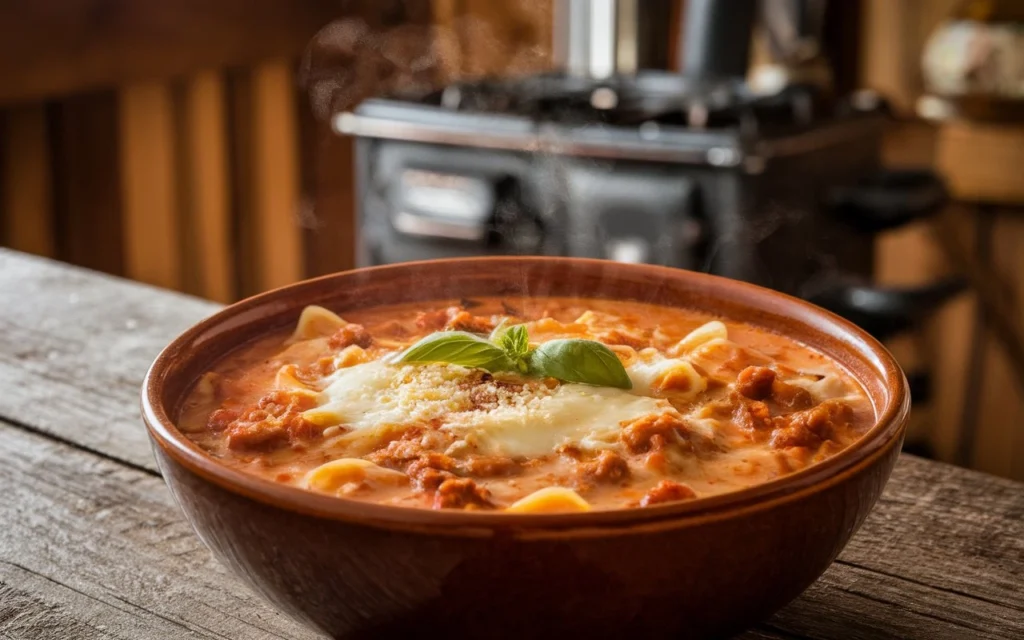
149,185
86,181
275,199
27,209
204,174
1000,423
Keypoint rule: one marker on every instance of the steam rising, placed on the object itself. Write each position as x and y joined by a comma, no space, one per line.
349,60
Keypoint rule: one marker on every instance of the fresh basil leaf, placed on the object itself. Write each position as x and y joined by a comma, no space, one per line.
458,347
582,361
499,331
515,341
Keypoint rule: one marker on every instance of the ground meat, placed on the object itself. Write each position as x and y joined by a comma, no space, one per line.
755,382
256,436
811,427
221,419
488,466
455,318
398,453
667,491
461,493
299,428
273,423
570,451
465,321
649,433
430,469
433,320
608,467
351,334
279,403
752,415
762,383
426,479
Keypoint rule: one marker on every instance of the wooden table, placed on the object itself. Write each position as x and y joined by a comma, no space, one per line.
91,545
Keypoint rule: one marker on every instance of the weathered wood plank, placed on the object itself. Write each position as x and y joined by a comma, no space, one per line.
93,549
942,555
77,343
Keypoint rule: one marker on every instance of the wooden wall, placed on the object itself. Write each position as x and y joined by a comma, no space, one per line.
176,143
976,417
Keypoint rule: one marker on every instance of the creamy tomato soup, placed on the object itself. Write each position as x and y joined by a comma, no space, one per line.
537,405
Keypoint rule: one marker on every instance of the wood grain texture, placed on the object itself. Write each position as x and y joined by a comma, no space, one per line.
981,162
997,447
206,190
50,346
276,176
91,548
96,549
86,179
26,213
149,184
50,48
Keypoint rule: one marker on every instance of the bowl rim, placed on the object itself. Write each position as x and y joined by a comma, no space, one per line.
887,431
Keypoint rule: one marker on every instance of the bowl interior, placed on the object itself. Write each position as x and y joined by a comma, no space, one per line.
195,351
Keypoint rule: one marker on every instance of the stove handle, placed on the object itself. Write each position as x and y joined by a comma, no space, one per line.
889,199
887,311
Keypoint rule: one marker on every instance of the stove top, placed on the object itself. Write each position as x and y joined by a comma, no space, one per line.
659,97
653,112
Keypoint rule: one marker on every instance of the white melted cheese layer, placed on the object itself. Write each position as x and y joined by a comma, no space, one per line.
369,398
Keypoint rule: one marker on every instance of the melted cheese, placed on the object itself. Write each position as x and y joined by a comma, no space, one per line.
370,398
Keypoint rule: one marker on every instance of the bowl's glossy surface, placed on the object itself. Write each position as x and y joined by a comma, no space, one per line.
692,569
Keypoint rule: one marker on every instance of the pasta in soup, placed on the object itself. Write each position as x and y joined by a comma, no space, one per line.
526,406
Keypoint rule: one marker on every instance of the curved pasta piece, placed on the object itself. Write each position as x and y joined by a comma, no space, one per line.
550,500
316,322
549,327
206,388
670,376
713,330
723,359
680,380
626,354
351,356
335,476
288,380
829,387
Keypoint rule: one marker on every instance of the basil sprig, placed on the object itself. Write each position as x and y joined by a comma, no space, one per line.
508,349
458,347
582,361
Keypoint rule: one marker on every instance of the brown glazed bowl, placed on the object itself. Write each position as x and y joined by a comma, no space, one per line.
704,568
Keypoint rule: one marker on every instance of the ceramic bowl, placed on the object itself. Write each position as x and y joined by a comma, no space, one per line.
703,568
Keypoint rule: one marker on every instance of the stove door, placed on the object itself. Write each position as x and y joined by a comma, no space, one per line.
632,212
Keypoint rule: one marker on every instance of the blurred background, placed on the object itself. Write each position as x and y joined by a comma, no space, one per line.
867,155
